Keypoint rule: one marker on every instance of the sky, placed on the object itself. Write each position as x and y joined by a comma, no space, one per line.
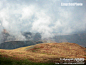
44,16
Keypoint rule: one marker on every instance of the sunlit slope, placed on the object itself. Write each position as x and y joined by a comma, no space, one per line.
69,50
46,52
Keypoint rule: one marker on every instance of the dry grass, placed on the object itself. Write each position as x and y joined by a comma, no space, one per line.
46,51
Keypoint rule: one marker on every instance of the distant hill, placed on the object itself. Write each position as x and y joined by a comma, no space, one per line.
17,44
6,36
73,38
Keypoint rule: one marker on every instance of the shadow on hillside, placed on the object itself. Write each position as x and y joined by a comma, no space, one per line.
17,44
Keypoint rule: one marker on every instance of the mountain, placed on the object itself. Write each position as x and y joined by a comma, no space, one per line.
32,36
6,36
73,38
17,44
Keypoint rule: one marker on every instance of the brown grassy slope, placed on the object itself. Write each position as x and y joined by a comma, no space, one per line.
71,50
46,51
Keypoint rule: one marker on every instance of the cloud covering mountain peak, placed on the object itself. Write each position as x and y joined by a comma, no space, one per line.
45,17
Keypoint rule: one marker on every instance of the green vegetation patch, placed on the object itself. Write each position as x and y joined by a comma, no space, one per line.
10,61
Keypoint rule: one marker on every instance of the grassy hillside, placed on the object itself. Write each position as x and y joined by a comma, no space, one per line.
43,53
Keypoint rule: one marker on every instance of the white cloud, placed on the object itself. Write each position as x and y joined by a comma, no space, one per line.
28,11
41,24
44,16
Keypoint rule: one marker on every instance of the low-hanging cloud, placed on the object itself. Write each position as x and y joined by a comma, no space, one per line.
46,17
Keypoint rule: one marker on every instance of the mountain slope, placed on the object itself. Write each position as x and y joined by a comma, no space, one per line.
17,44
46,52
74,38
